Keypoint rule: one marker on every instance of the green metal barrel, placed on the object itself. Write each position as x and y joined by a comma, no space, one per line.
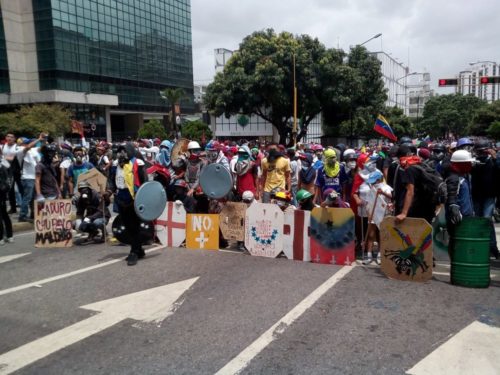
470,263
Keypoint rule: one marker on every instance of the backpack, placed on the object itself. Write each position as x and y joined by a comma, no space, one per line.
433,187
6,179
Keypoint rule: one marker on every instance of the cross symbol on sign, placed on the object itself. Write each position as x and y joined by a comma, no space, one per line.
170,224
201,239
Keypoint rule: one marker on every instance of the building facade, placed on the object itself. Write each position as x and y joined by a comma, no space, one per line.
469,81
105,59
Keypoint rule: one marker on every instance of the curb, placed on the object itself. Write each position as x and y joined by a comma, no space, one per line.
21,227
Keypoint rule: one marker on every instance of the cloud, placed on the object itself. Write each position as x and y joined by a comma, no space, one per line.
440,37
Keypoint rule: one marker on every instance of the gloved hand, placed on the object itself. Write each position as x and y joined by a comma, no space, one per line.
40,198
454,214
86,220
178,203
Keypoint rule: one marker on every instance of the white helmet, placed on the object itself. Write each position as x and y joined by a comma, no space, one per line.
247,196
348,153
462,156
193,145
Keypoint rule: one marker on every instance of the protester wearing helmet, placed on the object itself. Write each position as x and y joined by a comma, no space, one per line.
485,182
305,200
192,176
215,154
331,176
124,181
459,198
283,199
92,213
465,144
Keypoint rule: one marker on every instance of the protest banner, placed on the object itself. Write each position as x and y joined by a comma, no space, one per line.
53,223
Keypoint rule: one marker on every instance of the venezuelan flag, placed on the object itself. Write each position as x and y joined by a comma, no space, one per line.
382,127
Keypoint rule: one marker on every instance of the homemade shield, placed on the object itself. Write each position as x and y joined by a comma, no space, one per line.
170,227
296,242
232,221
406,249
150,201
215,181
264,230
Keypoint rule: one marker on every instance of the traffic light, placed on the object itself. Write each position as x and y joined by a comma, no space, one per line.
448,82
486,80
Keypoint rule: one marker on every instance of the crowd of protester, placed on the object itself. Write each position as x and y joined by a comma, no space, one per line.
407,179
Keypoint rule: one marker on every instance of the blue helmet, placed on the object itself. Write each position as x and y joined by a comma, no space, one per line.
464,142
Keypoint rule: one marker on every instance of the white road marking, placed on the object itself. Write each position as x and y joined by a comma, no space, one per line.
238,363
69,274
151,305
24,234
473,350
8,258
492,275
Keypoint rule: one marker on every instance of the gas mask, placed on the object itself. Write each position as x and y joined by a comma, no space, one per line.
331,161
351,165
438,156
212,155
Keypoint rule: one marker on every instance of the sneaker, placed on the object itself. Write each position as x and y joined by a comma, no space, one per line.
379,258
2,242
132,259
368,259
10,240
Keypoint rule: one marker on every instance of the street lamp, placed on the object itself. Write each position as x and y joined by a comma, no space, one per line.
373,37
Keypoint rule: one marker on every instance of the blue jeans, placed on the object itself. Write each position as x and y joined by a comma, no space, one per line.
28,189
485,208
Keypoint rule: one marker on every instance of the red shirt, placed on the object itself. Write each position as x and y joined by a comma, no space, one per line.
247,181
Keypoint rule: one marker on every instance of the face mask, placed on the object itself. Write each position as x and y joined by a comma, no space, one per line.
193,156
331,161
243,156
281,204
438,155
305,164
212,155
370,167
351,164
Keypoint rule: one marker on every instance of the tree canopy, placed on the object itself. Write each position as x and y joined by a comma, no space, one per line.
173,96
32,120
452,114
259,80
196,130
152,129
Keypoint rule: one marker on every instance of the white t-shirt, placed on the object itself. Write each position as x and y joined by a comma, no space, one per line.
31,159
120,178
9,152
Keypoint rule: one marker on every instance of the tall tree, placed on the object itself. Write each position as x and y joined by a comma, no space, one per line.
447,115
173,96
258,80
484,117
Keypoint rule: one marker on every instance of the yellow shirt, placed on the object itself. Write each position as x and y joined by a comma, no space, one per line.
275,173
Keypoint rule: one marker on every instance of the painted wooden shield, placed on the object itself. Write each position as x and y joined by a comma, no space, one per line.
95,178
170,227
332,236
232,221
296,242
264,230
53,223
406,249
202,231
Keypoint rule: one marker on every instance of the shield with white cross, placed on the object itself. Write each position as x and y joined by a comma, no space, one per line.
202,231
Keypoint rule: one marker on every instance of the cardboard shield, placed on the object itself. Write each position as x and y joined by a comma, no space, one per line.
232,221
332,236
170,227
296,242
406,249
180,148
95,178
202,231
264,230
53,223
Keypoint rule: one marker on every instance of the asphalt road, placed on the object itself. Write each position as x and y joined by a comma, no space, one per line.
328,319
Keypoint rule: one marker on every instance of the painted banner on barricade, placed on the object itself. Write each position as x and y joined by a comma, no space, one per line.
406,249
332,236
170,227
202,231
296,242
53,223
264,230
232,221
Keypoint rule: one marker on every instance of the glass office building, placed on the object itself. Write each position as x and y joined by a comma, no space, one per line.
129,49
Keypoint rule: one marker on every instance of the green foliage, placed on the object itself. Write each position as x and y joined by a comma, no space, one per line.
30,121
152,129
195,130
494,130
484,118
399,122
259,80
450,114
173,96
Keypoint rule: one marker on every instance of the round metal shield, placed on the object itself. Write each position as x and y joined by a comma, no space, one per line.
150,201
216,181
180,148
120,232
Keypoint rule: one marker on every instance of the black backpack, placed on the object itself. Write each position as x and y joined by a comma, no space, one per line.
6,179
433,187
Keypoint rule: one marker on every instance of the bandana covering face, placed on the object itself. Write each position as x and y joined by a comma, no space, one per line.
307,171
332,171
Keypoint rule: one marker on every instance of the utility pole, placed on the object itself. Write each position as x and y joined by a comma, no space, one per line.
294,131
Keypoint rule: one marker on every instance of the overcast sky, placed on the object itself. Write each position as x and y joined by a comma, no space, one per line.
438,36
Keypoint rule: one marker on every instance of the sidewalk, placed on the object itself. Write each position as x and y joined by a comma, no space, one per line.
17,226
